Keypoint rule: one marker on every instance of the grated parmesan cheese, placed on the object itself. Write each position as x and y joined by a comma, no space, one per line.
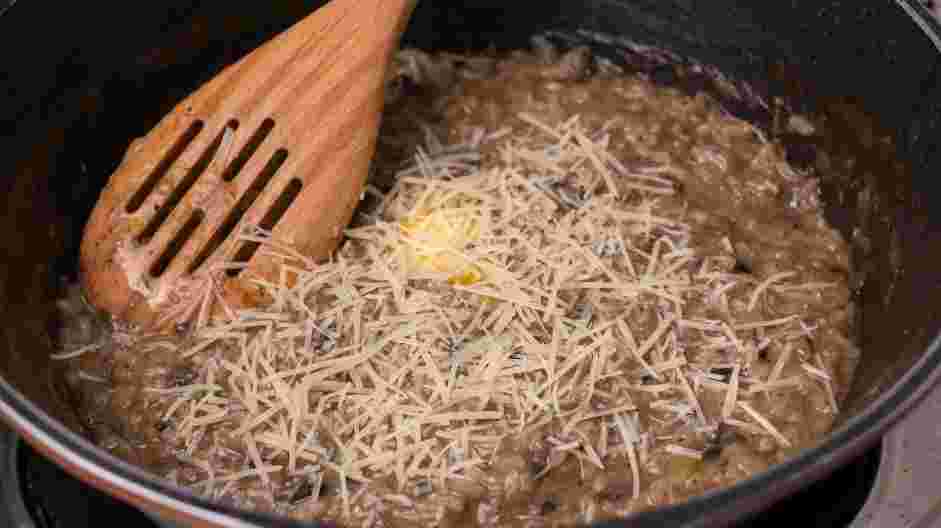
483,301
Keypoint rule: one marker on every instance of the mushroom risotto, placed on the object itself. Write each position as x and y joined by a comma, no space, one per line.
569,294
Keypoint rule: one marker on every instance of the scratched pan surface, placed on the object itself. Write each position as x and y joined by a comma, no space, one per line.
868,72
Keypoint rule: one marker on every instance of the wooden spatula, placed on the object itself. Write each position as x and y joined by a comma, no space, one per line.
281,140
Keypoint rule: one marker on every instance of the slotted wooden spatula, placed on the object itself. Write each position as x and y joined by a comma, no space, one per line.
281,140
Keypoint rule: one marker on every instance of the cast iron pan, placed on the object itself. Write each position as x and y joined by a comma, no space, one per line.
866,72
